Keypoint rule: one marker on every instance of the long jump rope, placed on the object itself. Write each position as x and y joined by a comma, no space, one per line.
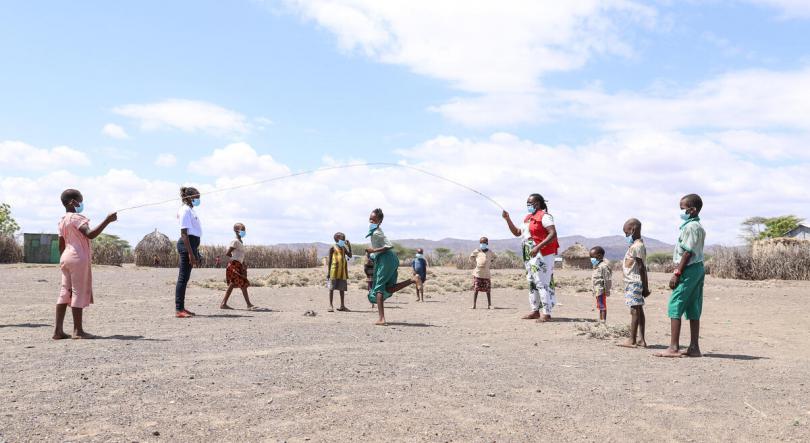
315,171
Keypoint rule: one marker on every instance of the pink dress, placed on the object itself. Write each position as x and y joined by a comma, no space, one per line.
77,279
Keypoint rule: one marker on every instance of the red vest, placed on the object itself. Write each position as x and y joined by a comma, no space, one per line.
539,233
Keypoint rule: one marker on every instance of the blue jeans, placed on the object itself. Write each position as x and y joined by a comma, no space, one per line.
185,270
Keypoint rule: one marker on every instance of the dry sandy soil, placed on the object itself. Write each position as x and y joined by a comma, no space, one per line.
439,372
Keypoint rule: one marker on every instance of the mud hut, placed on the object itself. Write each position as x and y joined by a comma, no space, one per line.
156,250
576,257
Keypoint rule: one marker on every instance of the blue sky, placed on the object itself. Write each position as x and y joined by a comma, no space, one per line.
639,102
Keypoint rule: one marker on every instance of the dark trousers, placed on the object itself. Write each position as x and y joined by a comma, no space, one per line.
185,270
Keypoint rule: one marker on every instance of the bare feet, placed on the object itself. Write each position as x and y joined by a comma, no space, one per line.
473,307
381,322
690,352
489,307
669,353
225,307
331,309
81,335
642,344
343,309
534,315
252,307
60,336
544,318
627,344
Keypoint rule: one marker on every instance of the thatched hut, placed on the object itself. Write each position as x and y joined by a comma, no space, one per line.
10,250
157,250
577,257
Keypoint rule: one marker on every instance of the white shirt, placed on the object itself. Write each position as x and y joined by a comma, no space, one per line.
188,220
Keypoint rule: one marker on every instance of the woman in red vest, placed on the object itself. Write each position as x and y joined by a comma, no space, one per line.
540,247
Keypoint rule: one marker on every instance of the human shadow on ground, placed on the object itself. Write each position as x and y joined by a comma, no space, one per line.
26,325
571,320
129,338
416,325
735,357
223,316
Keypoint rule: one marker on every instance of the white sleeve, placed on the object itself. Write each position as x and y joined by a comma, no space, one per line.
547,221
186,216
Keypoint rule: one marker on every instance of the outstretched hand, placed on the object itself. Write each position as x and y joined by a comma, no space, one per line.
111,217
505,215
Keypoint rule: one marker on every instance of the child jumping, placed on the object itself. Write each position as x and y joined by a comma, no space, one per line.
75,263
635,279
368,268
687,280
482,277
236,271
601,279
386,265
187,247
420,273
338,265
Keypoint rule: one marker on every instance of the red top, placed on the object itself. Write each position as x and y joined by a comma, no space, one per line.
539,233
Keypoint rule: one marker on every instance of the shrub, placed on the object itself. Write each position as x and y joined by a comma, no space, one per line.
781,259
10,250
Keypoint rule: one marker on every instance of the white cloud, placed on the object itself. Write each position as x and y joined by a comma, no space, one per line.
166,160
16,155
187,116
114,131
788,8
238,160
481,47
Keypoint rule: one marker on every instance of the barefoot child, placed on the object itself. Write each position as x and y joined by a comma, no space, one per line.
635,280
386,264
187,247
420,273
687,280
482,257
75,262
338,266
236,271
602,280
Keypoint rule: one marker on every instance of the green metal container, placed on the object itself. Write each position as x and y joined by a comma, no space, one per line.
41,248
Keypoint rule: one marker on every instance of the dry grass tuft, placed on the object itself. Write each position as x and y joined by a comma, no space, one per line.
603,331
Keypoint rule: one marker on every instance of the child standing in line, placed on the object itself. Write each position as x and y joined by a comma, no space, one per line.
338,266
236,271
687,280
482,277
420,274
75,263
635,279
368,268
602,280
386,265
187,247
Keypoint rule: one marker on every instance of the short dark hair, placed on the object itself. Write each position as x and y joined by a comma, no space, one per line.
540,199
186,192
69,195
339,234
420,251
694,200
600,251
379,213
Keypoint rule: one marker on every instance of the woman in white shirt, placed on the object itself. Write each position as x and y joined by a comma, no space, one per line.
187,247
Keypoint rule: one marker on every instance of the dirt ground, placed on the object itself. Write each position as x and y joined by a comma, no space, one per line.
440,372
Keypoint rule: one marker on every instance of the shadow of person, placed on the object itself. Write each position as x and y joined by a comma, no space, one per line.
128,338
416,325
572,320
27,325
223,316
735,356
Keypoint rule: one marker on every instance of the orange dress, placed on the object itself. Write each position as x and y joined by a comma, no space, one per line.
75,263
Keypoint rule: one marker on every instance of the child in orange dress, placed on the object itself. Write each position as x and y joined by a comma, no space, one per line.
76,260
236,272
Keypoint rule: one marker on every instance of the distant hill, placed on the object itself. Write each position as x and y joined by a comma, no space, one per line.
615,245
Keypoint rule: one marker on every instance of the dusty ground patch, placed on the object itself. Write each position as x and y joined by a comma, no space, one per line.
441,372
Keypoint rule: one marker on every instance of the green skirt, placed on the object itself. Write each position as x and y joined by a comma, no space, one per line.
386,266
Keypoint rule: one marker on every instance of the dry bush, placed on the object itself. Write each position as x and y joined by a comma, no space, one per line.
263,257
777,259
603,331
503,260
10,250
108,254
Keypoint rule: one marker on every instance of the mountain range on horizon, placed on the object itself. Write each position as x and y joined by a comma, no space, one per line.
615,245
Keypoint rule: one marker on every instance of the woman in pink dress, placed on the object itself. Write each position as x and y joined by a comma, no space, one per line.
77,279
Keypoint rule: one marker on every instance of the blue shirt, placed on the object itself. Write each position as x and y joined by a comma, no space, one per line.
420,267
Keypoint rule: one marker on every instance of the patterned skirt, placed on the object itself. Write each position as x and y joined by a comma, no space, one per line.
236,275
482,284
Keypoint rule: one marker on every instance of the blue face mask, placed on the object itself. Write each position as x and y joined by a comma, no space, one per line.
420,256
242,234
594,262
483,246
79,208
373,226
195,202
685,216
530,209
341,243
629,240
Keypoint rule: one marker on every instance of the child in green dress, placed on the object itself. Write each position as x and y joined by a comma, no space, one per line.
386,265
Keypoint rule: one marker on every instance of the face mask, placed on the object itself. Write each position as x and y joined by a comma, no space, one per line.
484,246
195,202
629,240
420,256
79,208
594,262
373,226
530,209
341,243
685,215
242,234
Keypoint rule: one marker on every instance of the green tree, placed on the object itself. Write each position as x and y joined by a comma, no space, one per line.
659,258
403,252
8,226
112,240
752,228
779,226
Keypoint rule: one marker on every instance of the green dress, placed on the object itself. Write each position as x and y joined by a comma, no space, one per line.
386,266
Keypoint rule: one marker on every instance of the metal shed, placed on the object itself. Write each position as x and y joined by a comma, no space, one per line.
41,248
801,232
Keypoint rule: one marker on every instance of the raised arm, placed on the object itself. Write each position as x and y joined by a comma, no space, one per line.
512,228
95,232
